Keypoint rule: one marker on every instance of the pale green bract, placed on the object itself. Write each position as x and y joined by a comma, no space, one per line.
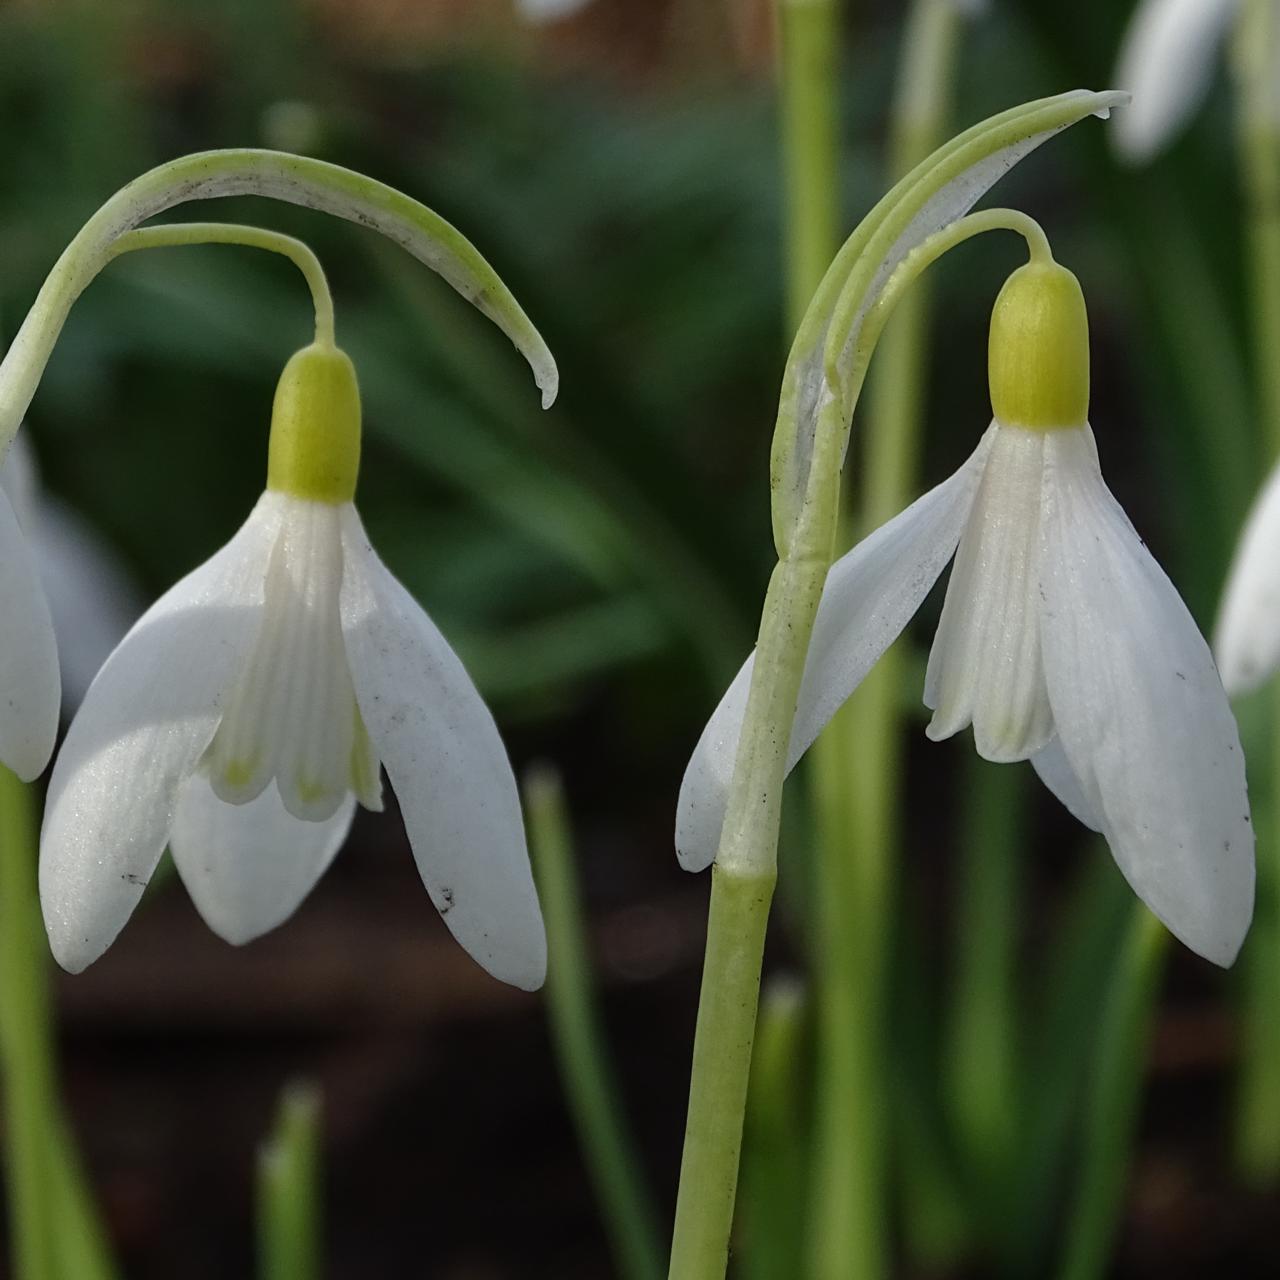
300,180
825,368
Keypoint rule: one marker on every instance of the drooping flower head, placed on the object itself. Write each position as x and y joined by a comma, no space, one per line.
1061,640
250,710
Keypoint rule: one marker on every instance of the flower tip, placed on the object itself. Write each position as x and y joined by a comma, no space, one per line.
549,385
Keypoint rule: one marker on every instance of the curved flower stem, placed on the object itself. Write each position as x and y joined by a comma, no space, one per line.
1258,1120
745,870
179,234
298,180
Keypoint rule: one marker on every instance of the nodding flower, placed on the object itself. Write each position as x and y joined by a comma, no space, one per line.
1061,640
253,707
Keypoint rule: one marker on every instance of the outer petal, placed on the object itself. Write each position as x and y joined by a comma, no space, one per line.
447,766
1166,61
248,866
1055,772
869,596
30,689
140,732
1247,636
1141,714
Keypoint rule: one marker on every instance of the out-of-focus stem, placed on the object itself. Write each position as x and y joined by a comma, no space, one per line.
289,1190
856,804
1112,1105
579,1040
25,1039
808,31
1258,1117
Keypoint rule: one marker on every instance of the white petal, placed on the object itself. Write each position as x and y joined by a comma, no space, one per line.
1166,61
91,597
1141,713
1247,635
869,596
447,766
984,667
248,866
1055,772
139,734
30,690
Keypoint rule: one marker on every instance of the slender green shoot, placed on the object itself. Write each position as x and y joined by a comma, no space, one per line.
579,1039
289,1189
1115,1091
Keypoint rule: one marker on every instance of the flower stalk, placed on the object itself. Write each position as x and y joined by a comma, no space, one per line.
821,385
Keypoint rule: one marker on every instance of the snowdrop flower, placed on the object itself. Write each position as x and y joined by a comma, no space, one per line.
92,599
1061,640
1167,62
1247,635
247,713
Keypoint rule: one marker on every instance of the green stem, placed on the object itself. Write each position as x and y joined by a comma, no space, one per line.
579,1040
1115,1091
983,1055
30,1106
289,1190
809,31
178,234
1258,1120
856,803
721,1062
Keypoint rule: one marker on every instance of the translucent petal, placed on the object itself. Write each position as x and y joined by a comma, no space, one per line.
1247,637
869,596
92,598
1166,61
447,766
248,866
1054,770
984,667
1141,714
292,716
30,688
139,734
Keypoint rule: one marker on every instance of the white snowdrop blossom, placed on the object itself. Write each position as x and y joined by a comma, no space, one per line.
1061,640
539,12
1167,61
92,598
248,712
30,685
1247,635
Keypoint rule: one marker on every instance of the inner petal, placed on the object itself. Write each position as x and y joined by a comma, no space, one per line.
985,667
292,714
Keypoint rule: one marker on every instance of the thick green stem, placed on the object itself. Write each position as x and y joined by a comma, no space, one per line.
579,1041
721,1062
1115,1091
